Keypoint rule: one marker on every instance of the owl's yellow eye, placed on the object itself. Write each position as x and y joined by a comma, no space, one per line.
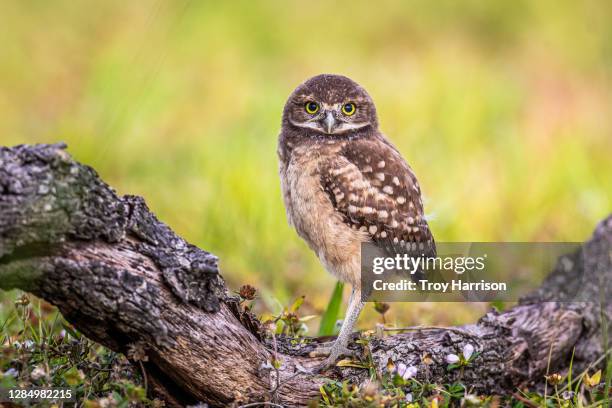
312,107
349,109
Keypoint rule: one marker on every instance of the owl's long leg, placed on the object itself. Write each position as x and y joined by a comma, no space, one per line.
339,347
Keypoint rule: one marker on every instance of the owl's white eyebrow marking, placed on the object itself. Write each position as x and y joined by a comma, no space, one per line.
327,106
307,125
345,127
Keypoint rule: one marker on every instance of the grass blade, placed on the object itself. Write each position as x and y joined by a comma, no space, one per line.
328,321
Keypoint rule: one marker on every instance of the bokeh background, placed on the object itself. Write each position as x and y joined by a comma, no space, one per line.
502,108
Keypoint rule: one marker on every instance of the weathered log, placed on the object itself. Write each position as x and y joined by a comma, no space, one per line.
129,282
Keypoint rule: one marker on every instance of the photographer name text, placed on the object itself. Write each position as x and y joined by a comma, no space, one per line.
454,285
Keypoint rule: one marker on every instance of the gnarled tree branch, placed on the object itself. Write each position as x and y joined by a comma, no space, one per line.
125,279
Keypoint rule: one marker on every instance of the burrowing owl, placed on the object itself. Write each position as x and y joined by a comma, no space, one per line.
344,183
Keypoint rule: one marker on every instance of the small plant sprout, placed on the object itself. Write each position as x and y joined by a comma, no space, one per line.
591,381
462,360
289,323
382,308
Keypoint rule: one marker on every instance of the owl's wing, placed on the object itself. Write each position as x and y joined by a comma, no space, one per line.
375,190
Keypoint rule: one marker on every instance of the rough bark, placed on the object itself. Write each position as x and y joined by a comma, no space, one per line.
128,281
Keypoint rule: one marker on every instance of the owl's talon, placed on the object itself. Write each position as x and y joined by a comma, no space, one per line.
332,353
323,351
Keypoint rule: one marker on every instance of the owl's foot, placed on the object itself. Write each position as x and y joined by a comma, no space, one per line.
323,349
333,353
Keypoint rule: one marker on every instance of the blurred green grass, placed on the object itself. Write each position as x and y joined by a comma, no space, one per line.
501,108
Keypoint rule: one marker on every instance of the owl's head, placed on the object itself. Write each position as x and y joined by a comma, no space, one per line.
330,105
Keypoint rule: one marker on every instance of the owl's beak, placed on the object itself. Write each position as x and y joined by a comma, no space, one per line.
329,122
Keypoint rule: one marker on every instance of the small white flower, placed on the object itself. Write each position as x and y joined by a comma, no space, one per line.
409,397
28,344
471,399
266,366
11,372
406,372
567,395
38,372
452,358
468,350
107,402
410,372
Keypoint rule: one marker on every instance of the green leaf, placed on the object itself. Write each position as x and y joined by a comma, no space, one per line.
324,395
499,305
277,363
73,376
296,305
329,318
350,363
456,390
451,367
